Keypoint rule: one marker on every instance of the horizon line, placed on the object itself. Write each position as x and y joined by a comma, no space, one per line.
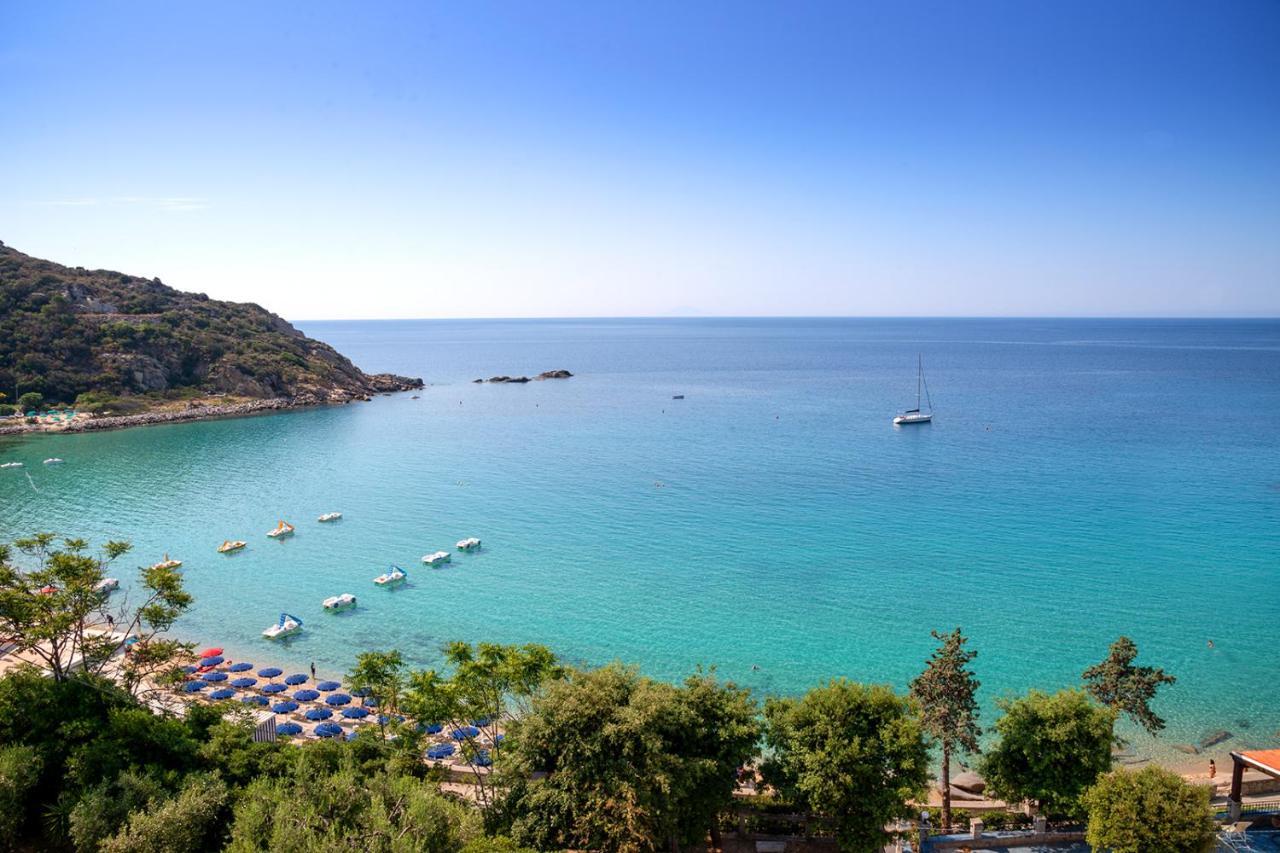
1118,317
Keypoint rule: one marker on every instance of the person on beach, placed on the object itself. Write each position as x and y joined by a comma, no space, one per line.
1213,769
313,670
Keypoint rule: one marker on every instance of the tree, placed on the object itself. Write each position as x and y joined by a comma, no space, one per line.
609,760
852,752
1129,689
379,675
345,809
1151,810
1051,748
58,612
487,684
30,401
19,771
185,823
945,693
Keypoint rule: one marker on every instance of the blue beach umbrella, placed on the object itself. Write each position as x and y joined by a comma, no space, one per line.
464,733
295,679
318,714
440,750
352,735
222,693
326,686
271,672
431,728
213,661
337,699
307,695
362,692
328,729
240,667
482,758
190,669
194,686
274,687
254,700
288,729
369,702
355,713
213,676
242,683
482,722
285,707
383,719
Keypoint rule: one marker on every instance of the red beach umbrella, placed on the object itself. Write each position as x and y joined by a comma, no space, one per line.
212,651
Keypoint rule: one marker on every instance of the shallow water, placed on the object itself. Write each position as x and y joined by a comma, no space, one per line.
1083,479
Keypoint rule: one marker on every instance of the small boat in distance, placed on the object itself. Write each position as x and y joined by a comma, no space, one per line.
677,396
439,558
391,576
53,460
334,603
286,627
282,528
167,563
106,586
330,516
10,464
469,544
228,546
916,416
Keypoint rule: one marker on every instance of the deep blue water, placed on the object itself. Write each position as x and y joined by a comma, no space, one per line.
1083,479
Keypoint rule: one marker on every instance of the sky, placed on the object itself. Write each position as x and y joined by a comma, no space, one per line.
626,158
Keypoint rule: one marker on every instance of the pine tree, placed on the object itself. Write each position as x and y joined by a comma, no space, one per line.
1120,685
948,710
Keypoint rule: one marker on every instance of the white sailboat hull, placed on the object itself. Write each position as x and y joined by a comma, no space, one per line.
913,419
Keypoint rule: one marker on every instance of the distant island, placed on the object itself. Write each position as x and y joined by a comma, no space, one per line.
121,350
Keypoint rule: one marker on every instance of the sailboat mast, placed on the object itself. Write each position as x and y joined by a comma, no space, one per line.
919,377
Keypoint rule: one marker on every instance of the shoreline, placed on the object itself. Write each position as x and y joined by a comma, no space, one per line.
194,411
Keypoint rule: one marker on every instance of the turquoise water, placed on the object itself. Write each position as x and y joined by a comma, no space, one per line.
1083,479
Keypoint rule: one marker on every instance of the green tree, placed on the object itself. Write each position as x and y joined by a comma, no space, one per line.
57,612
609,760
488,684
852,752
1151,810
1050,749
1129,689
30,401
187,822
381,676
945,693
19,771
346,809
103,810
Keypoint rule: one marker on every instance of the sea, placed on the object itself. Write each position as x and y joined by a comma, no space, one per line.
1081,480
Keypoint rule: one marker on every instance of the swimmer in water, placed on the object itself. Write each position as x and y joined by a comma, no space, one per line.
1211,644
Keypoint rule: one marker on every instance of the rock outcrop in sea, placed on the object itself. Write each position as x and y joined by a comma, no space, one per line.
520,380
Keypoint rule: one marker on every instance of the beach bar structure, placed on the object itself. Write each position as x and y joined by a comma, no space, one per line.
1263,760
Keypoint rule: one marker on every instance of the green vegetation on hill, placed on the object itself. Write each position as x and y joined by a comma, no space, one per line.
106,340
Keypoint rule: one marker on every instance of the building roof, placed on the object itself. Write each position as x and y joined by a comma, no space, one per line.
1266,760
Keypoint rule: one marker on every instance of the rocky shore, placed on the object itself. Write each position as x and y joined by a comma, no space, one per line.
197,410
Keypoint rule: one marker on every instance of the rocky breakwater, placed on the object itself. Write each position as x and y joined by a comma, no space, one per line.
520,380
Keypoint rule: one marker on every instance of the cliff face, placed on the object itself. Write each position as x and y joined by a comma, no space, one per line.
69,331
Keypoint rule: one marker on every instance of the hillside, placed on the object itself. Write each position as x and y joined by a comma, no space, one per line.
109,340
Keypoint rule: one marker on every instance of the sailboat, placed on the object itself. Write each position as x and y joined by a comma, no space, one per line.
916,416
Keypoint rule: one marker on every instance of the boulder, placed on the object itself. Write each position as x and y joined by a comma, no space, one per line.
1215,738
1188,748
554,374
969,781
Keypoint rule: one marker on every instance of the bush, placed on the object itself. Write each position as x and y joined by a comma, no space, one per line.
6,410
30,401
19,772
1151,810
184,823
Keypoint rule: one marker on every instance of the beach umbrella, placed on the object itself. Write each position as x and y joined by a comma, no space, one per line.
431,728
353,734
482,722
222,693
295,679
482,758
254,700
318,714
355,713
328,730
213,676
383,719
271,672
499,739
362,692
194,686
337,699
326,686
274,687
189,669
288,729
286,707
440,750
464,733
242,683
369,702
212,651
243,666
214,660
306,695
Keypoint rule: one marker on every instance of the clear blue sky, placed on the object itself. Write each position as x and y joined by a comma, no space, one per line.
471,159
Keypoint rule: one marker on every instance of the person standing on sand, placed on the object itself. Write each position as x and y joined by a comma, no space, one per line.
1213,769
313,670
